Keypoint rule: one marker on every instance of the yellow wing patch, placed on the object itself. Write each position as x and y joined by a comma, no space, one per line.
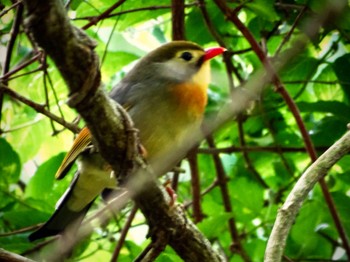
79,145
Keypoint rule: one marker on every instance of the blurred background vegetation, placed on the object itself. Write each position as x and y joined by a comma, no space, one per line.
244,171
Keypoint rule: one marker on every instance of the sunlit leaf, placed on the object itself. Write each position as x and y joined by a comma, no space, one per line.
10,164
41,184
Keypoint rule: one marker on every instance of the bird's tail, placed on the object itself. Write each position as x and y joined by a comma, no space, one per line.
63,218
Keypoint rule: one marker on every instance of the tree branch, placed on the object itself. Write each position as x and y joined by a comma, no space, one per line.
13,35
286,215
271,149
11,257
106,13
123,234
195,185
39,108
222,179
178,19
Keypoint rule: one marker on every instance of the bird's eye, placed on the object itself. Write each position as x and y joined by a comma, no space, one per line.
187,56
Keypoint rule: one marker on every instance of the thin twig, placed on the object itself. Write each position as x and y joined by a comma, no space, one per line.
246,157
103,15
297,82
195,185
272,131
176,176
178,19
11,43
123,234
272,149
7,75
144,252
290,32
227,55
39,108
236,245
147,8
289,6
48,78
13,35
47,100
207,190
5,11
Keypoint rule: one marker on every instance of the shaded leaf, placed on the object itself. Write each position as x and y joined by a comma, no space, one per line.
341,66
264,9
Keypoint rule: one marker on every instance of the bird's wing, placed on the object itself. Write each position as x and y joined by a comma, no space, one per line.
81,142
84,138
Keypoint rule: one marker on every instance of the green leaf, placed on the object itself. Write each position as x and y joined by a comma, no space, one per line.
336,108
327,87
213,225
200,34
159,34
342,201
7,201
25,139
10,164
117,42
264,9
256,249
41,184
20,218
302,67
75,4
341,68
328,130
249,194
307,226
16,243
260,27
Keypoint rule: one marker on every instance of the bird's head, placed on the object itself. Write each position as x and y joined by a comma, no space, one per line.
178,61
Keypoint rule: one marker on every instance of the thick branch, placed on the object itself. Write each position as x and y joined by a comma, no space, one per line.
171,222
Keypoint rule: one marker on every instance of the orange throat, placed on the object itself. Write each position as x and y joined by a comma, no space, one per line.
191,97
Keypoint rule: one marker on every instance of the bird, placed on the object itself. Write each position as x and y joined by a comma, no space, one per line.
165,94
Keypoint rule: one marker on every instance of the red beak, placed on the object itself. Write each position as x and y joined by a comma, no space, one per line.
212,52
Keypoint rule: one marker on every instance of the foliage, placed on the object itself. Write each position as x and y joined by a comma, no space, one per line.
261,154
